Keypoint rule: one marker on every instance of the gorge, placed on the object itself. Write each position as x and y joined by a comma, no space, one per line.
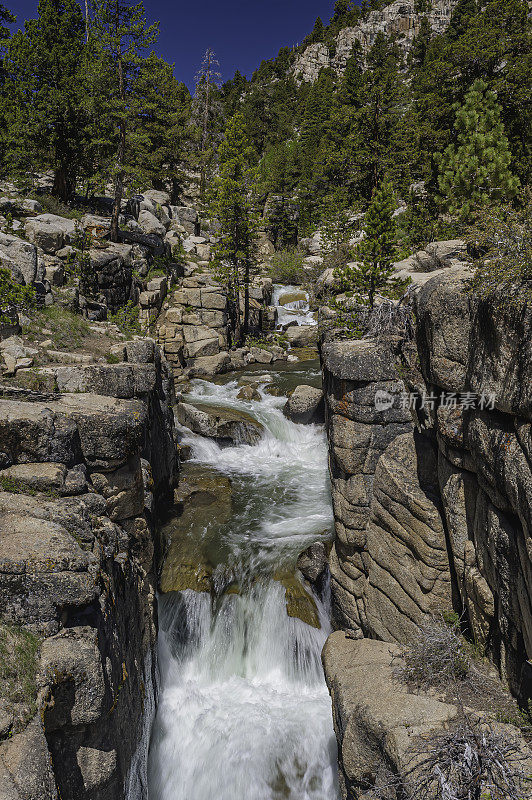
266,409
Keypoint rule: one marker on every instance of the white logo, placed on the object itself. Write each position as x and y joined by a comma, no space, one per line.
383,400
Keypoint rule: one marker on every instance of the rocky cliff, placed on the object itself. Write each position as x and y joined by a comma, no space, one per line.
79,473
430,458
400,19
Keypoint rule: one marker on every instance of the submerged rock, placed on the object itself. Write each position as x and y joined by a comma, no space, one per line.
225,425
299,603
249,393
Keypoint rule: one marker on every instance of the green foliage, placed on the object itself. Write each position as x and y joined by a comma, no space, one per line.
476,171
13,296
127,320
119,36
376,250
502,237
44,89
231,205
287,267
19,650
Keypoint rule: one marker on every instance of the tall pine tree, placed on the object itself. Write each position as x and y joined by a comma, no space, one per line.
376,250
475,170
232,207
45,91
120,34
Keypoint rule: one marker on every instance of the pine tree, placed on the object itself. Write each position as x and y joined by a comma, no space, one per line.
376,250
206,105
5,17
162,125
476,170
119,33
44,88
234,254
379,115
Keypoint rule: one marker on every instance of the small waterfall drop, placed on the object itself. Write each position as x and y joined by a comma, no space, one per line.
244,712
292,304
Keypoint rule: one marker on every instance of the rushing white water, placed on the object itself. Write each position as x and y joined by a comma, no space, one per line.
295,311
244,713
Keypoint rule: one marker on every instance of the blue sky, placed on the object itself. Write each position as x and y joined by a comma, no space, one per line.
241,33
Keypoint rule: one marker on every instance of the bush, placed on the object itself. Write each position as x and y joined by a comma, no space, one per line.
127,319
436,656
13,296
501,238
52,205
287,267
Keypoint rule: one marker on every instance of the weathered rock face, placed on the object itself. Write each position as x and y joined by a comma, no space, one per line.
438,517
399,18
379,721
77,568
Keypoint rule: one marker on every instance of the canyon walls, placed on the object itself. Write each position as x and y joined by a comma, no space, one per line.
430,460
80,472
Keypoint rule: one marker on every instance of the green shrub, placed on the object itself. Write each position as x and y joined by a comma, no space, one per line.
287,267
52,205
501,238
13,296
127,319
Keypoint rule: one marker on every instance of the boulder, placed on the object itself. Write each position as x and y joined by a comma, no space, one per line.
302,336
313,562
305,405
50,232
150,224
19,257
225,425
207,366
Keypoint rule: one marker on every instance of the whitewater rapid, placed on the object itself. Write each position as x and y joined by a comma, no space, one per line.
244,712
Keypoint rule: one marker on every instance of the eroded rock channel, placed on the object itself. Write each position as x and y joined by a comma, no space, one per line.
243,707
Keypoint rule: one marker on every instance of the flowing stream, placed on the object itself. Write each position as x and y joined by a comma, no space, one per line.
244,712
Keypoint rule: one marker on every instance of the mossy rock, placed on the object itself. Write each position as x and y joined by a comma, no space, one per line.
304,353
293,297
299,603
179,576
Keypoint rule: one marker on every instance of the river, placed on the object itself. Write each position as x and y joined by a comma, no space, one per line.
243,710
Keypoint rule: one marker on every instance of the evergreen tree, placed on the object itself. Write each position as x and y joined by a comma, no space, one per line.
5,17
379,115
318,33
376,250
119,34
162,125
476,170
232,207
207,109
44,88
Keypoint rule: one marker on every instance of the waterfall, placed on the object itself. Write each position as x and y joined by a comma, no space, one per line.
244,712
292,310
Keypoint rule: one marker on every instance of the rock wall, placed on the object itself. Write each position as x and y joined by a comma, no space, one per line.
399,19
81,472
432,505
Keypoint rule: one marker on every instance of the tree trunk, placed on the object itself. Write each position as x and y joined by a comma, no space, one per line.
64,187
119,186
246,299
